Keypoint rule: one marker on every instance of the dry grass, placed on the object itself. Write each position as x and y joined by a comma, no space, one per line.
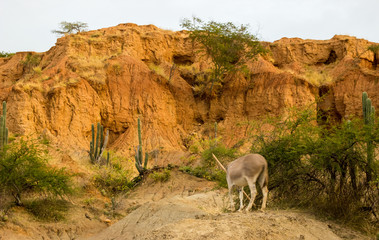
32,82
37,70
117,68
317,78
158,70
89,68
30,86
188,69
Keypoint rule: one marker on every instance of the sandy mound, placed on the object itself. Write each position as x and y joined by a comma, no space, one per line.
202,216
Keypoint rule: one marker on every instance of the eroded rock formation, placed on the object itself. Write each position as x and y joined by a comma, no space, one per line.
116,74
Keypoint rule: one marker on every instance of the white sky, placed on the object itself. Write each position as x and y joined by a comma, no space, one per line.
25,25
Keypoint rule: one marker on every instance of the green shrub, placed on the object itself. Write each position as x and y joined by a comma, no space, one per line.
31,60
112,180
49,210
6,54
223,153
205,148
322,166
24,168
161,176
210,174
208,168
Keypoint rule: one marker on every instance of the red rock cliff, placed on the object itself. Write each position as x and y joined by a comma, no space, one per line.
116,74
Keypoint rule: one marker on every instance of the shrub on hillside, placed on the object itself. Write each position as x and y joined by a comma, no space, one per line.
208,168
50,210
320,165
161,176
6,54
216,147
112,180
24,169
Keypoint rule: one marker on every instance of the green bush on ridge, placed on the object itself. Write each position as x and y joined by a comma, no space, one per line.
24,169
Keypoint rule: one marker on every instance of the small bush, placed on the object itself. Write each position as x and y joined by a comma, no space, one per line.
37,70
31,61
49,210
223,153
161,176
117,68
24,168
6,54
210,174
205,149
208,168
317,78
112,180
158,70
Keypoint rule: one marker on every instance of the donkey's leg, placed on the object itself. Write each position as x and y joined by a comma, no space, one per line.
253,192
230,187
263,181
241,199
265,193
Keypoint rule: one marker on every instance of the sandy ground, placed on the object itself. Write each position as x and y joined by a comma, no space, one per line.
184,207
191,208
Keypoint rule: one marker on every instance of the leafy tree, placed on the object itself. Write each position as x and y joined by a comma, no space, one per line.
5,54
24,169
228,46
70,27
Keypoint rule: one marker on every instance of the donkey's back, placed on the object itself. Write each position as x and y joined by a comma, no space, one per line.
247,170
250,166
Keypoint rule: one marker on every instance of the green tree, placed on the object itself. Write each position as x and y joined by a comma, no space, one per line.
70,27
6,54
228,46
24,169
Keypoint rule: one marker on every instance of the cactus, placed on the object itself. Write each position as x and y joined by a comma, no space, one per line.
98,145
139,157
215,129
369,120
3,127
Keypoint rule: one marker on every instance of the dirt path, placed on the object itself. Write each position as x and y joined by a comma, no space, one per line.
188,208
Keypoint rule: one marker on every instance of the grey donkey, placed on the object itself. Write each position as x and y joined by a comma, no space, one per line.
247,170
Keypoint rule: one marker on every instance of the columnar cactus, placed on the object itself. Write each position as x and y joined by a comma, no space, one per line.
3,127
98,145
215,129
139,157
369,120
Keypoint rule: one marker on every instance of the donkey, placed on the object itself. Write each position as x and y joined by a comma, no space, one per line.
247,170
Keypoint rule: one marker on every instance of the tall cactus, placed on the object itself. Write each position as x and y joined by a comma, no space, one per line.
98,144
369,120
215,129
3,127
139,157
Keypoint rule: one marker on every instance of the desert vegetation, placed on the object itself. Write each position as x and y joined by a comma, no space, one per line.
228,46
24,171
70,27
4,54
